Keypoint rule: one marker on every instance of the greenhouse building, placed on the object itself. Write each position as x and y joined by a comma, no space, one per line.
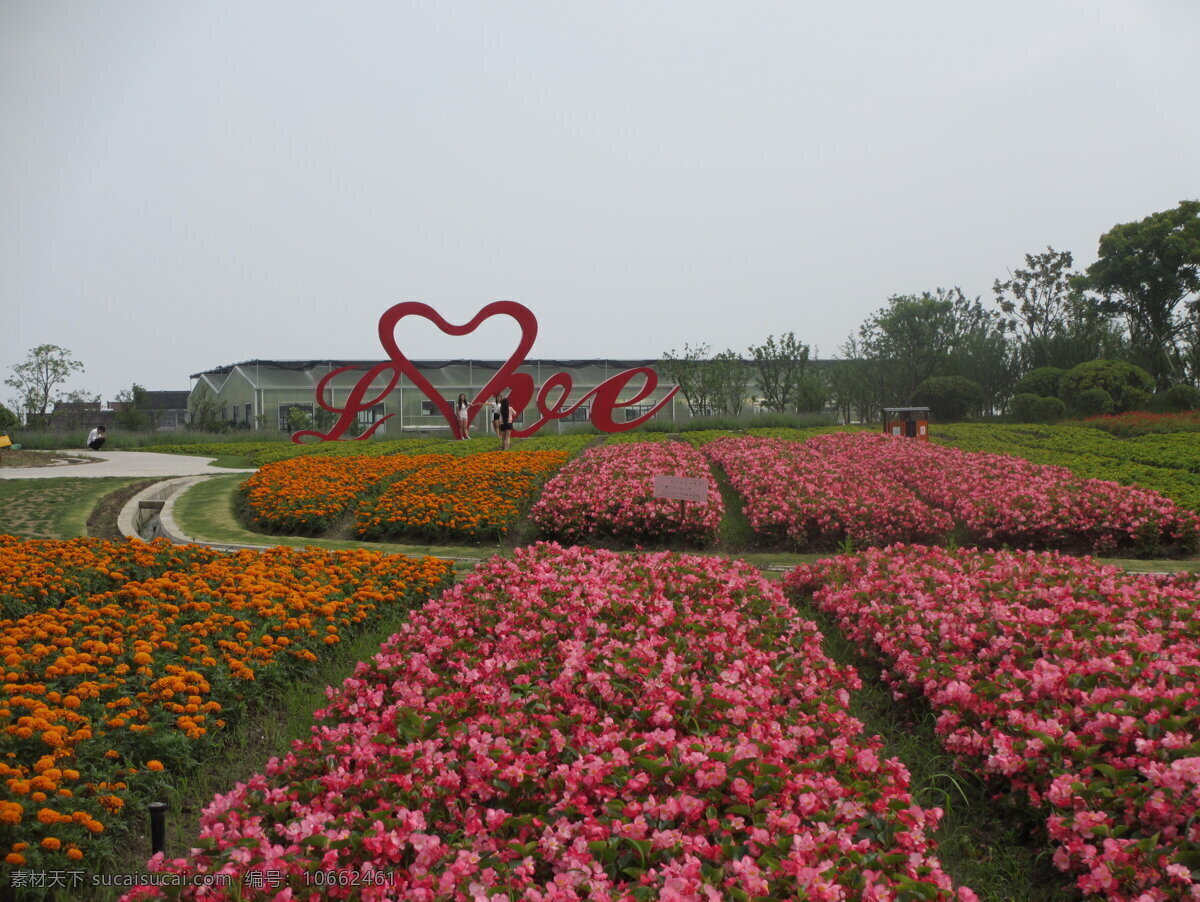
280,394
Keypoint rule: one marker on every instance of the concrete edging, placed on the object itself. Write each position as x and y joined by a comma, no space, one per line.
160,498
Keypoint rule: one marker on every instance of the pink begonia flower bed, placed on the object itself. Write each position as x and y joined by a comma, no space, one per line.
578,724
1071,684
607,492
876,489
815,494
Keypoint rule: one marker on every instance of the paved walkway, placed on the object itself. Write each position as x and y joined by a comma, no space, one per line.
138,464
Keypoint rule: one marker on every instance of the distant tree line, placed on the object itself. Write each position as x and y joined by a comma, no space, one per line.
1124,334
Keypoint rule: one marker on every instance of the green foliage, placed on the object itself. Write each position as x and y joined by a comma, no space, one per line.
1042,381
1133,398
1169,464
1056,323
132,415
1182,397
731,380
1145,270
38,378
1029,408
1024,407
1049,410
204,411
811,394
1114,376
912,336
949,398
1093,401
780,366
8,419
690,371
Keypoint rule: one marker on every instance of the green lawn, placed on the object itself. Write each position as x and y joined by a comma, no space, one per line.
52,508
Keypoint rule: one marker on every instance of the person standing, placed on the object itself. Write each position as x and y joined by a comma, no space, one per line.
496,416
506,422
95,439
463,409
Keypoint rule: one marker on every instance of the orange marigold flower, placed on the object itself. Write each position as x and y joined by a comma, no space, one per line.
52,843
74,853
14,858
154,764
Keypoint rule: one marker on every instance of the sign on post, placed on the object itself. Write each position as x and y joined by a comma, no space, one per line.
681,488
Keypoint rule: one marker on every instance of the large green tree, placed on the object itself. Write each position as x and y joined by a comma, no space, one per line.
1056,322
37,380
780,366
911,338
1145,270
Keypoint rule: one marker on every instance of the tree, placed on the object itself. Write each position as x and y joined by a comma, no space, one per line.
8,419
980,351
1042,381
1128,385
38,378
1144,271
204,411
780,367
132,415
1057,324
694,376
949,398
856,384
911,338
731,382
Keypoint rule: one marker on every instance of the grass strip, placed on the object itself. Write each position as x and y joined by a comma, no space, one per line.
52,508
206,512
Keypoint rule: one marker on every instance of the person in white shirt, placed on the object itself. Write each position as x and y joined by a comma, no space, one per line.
95,439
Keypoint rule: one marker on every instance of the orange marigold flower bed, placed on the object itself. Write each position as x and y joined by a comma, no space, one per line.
308,495
479,497
107,691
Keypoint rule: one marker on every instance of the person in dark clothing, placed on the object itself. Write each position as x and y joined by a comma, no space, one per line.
506,423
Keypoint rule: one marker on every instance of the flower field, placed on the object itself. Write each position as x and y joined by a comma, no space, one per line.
607,492
475,497
820,492
578,724
122,660
873,490
1165,463
309,494
1073,685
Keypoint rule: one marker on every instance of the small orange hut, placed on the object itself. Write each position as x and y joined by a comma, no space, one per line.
912,422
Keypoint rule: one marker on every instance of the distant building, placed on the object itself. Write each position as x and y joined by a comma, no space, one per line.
260,394
168,409
68,415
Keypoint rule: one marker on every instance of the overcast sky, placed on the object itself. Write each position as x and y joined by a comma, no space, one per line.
186,185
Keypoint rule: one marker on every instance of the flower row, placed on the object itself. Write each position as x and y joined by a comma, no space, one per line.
1074,685
475,497
824,491
1165,463
103,692
310,494
577,724
875,489
37,574
609,492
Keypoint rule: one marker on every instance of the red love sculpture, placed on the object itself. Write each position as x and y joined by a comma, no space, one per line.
519,386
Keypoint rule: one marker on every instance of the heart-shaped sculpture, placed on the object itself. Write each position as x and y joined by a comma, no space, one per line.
519,385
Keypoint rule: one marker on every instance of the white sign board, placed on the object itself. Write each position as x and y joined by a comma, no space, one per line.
681,488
